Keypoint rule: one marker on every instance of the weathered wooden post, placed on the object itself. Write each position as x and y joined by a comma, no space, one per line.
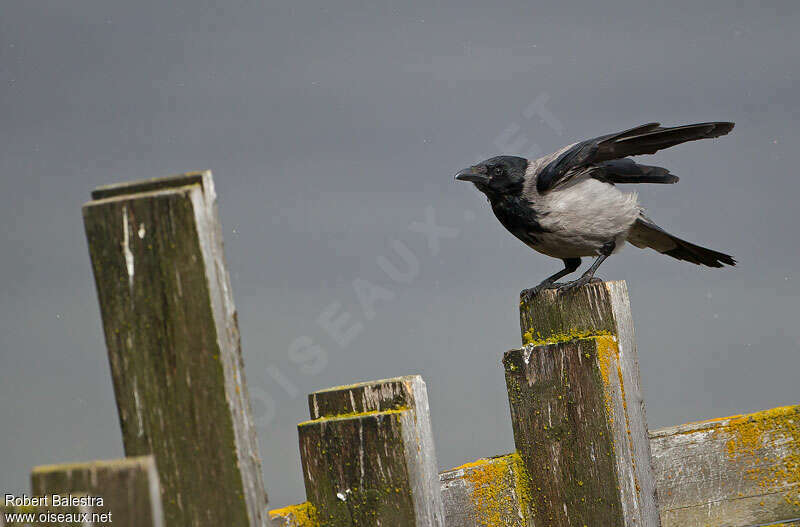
129,488
578,412
173,345
368,456
737,471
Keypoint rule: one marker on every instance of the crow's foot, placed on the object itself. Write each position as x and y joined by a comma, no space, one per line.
582,281
528,294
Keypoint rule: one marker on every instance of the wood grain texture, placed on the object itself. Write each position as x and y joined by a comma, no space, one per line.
601,308
129,487
173,346
368,455
738,471
356,470
372,396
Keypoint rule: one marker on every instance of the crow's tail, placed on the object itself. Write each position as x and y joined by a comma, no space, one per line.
645,233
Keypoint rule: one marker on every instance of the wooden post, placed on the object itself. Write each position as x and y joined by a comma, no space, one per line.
577,409
739,471
129,488
368,456
173,345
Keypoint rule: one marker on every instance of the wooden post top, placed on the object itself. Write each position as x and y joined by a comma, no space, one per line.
595,309
200,177
374,396
129,487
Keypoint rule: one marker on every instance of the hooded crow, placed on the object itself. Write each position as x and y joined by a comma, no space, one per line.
566,204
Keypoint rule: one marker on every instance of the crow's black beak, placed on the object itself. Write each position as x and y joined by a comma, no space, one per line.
470,174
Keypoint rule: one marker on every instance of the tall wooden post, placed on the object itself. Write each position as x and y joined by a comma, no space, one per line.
173,345
129,488
368,456
578,411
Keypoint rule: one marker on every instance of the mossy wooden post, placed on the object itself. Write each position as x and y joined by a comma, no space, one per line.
173,345
129,488
577,409
368,456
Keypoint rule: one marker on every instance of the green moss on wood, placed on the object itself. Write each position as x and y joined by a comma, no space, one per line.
168,361
550,417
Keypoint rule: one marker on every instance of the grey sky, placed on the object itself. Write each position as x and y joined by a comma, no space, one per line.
330,128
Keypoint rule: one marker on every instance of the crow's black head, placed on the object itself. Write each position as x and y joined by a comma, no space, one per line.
501,175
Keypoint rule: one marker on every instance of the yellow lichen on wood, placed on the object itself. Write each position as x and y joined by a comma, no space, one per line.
499,489
608,361
749,434
489,495
535,338
627,420
302,515
713,420
522,485
352,415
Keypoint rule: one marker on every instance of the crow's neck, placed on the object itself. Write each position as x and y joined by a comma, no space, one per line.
515,213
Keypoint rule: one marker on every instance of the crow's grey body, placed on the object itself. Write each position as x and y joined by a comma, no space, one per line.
582,216
566,204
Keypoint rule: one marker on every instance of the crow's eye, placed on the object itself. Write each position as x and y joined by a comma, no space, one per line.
498,171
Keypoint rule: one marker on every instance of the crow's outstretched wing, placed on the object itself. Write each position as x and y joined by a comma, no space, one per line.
645,139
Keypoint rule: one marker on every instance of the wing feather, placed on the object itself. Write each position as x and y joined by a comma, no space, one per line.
645,139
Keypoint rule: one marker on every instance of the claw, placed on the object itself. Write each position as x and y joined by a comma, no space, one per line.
569,286
533,291
580,282
561,287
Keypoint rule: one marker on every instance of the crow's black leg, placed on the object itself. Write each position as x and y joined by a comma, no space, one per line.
586,277
570,266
